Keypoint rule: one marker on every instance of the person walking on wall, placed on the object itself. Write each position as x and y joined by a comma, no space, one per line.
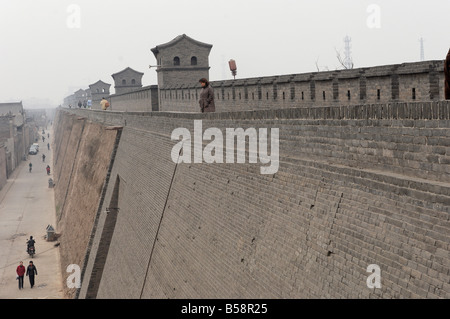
31,272
206,97
447,76
104,103
20,272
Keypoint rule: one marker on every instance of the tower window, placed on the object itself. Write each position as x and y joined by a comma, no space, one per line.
378,94
348,95
414,93
176,61
323,95
133,81
194,60
124,82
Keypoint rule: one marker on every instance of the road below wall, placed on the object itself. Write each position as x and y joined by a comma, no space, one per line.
26,208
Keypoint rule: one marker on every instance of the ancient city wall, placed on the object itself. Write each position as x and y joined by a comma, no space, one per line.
3,168
356,185
141,100
407,82
81,159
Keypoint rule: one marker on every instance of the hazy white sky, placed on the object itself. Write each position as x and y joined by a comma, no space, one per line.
51,48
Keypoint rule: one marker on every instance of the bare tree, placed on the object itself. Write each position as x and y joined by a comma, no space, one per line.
342,62
318,68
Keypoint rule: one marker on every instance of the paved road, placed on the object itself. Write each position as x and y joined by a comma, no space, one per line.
26,208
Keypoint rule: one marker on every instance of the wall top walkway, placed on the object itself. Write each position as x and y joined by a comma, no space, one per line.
433,110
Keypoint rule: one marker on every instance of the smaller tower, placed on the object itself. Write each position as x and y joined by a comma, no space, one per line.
127,80
98,90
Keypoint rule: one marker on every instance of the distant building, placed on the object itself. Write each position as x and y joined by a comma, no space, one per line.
127,80
98,90
15,137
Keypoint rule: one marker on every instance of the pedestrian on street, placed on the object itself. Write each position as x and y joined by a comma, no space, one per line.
31,272
48,146
20,272
48,169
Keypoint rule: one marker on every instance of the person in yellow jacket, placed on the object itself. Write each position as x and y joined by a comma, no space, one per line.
104,103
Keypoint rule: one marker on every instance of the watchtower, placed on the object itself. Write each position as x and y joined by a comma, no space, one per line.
98,90
127,80
181,61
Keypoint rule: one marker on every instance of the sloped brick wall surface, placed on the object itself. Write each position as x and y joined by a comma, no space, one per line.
83,151
356,186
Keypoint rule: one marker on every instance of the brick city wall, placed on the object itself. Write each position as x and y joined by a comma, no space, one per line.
356,185
3,167
407,82
81,159
141,100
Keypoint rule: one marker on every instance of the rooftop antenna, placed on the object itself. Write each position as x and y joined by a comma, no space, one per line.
422,51
348,63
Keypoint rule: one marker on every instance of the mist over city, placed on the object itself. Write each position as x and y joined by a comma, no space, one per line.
50,49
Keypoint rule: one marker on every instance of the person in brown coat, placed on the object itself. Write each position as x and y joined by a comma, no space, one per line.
447,76
31,272
206,97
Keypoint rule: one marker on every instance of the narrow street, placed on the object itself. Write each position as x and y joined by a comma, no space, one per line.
26,208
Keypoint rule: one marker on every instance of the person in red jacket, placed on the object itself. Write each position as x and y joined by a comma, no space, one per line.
20,272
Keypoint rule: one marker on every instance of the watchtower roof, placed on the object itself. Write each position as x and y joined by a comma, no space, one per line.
156,49
127,69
